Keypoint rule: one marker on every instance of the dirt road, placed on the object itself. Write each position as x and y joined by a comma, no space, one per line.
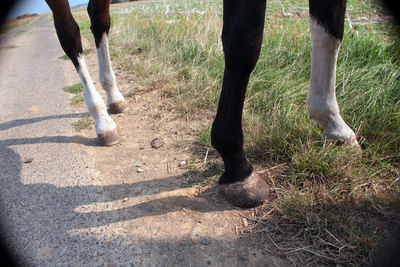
67,202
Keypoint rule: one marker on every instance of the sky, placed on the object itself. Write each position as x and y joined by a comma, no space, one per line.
36,6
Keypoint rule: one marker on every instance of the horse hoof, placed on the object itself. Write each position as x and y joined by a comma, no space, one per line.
246,194
118,107
109,138
351,143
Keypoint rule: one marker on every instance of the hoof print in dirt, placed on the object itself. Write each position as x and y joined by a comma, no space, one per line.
119,107
247,194
110,138
157,143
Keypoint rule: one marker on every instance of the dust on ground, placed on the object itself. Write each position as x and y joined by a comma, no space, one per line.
171,222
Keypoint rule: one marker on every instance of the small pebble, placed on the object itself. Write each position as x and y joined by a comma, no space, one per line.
245,222
28,160
157,143
242,258
182,163
206,241
140,170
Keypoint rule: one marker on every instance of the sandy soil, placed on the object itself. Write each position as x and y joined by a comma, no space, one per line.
174,223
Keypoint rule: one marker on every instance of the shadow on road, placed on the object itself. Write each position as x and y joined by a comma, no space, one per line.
16,123
43,206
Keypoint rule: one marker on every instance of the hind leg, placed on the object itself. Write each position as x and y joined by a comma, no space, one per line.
99,12
68,33
327,24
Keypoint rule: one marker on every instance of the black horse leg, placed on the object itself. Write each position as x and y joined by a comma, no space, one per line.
241,37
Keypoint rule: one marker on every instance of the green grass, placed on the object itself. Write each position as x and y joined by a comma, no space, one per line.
8,47
85,52
83,124
208,175
327,199
74,89
6,28
65,57
21,32
204,137
76,100
14,25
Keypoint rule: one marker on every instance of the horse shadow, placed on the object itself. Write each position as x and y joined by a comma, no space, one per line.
28,209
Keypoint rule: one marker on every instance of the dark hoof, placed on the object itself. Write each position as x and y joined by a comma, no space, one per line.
110,138
247,194
118,107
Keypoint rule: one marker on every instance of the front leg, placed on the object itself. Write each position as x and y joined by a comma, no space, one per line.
70,39
99,12
327,24
241,37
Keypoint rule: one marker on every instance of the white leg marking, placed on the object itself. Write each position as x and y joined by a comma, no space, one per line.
106,73
321,99
95,104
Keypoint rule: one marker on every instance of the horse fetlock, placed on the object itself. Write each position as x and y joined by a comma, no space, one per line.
336,129
103,123
107,82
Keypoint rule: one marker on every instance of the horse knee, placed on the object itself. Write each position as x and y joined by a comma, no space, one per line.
100,22
70,38
242,50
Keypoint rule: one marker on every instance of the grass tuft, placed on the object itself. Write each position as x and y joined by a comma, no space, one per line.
8,47
83,124
65,57
74,89
85,52
76,100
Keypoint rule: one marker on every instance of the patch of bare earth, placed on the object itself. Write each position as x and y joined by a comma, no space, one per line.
170,221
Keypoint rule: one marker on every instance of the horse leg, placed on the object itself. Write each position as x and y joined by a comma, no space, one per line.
69,35
99,13
327,25
241,37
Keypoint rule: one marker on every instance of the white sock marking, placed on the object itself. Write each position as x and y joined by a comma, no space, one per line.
106,73
321,99
95,104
